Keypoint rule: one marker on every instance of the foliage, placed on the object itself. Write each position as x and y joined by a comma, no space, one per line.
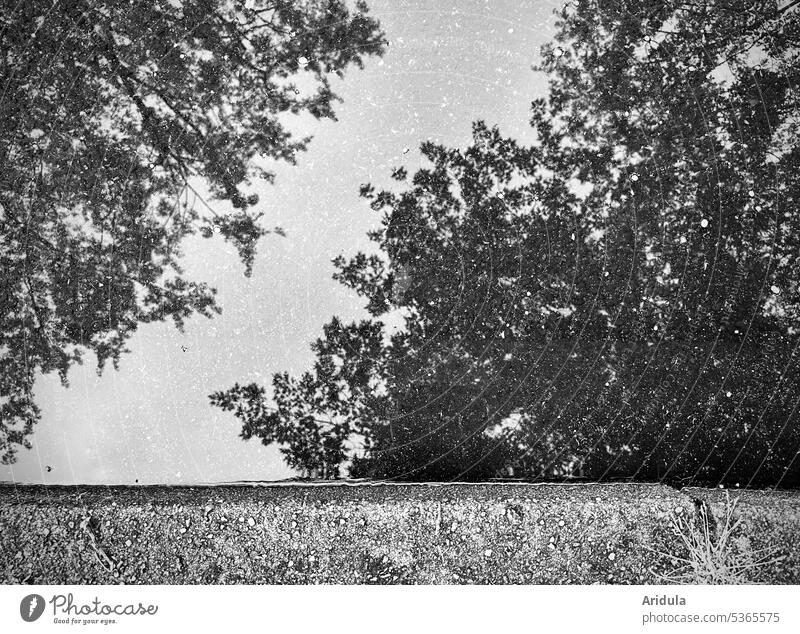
715,552
109,111
620,299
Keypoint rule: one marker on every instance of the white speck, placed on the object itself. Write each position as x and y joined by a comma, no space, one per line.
558,51
302,60
683,240
775,289
751,193
487,552
561,522
36,133
612,556
634,177
510,30
128,542
704,223
251,521
728,394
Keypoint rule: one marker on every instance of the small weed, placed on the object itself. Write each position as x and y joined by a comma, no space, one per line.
715,552
381,570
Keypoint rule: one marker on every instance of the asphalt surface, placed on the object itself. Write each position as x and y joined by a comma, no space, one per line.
380,533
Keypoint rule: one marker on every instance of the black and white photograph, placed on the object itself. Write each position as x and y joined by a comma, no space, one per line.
394,292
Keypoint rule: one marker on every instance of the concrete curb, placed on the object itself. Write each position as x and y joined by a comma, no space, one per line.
419,534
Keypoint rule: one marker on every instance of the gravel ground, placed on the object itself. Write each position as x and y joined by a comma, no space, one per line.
415,534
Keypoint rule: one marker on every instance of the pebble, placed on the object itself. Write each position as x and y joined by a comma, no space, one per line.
251,521
612,556
488,552
561,523
128,542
